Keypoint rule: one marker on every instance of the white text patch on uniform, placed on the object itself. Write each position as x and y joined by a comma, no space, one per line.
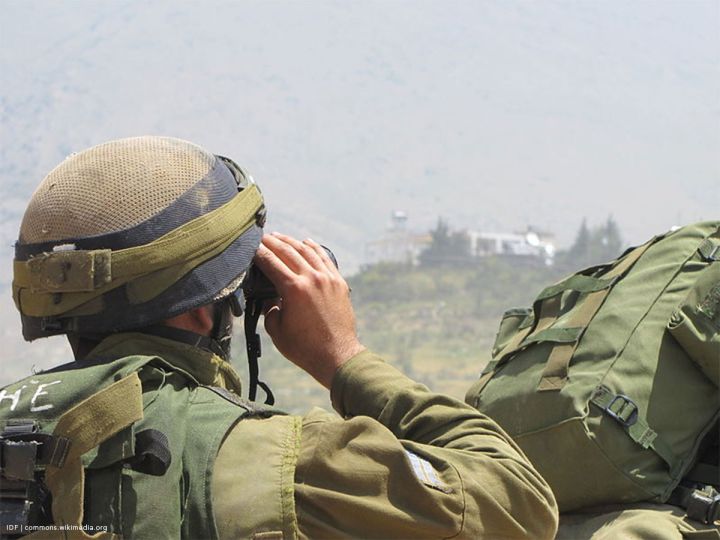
426,473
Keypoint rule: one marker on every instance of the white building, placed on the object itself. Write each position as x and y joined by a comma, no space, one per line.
397,244
400,245
529,243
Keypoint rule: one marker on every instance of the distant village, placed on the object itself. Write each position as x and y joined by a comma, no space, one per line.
401,244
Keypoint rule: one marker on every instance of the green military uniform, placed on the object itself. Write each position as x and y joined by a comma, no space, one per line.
640,521
404,463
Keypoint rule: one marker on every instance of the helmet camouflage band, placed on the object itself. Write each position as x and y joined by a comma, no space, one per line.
132,232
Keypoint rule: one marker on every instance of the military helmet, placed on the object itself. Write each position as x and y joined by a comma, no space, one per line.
131,232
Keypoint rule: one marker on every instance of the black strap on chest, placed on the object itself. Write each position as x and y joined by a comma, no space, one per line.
699,491
700,504
152,453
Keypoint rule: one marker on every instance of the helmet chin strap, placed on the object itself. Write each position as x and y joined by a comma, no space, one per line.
217,341
221,333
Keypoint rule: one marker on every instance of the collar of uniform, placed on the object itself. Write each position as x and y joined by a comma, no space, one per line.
206,367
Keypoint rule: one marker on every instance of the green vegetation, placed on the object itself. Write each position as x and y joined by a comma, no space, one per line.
435,324
593,246
447,248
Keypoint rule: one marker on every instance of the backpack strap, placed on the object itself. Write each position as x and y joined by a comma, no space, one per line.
86,425
555,374
547,308
626,412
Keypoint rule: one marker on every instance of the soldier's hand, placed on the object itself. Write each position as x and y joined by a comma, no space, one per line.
313,323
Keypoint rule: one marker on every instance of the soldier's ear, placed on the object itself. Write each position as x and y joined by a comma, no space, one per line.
199,320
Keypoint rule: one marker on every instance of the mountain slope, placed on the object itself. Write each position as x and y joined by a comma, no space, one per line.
494,115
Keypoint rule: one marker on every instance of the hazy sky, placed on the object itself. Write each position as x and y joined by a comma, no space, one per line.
495,115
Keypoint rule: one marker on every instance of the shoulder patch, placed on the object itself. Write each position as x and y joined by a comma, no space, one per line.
426,473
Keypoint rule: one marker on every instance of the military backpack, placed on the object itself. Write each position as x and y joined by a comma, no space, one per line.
609,383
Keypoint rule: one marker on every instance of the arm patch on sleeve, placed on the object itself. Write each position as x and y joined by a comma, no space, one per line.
426,473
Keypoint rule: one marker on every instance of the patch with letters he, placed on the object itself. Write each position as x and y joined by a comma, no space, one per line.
426,473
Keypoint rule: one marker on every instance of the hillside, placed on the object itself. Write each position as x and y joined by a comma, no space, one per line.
494,115
437,325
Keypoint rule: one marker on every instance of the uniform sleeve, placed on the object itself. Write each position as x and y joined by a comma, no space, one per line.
409,463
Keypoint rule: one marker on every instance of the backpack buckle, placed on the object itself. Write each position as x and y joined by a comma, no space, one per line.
17,470
710,250
703,507
714,254
625,413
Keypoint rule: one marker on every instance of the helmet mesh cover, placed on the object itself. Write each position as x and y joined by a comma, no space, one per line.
112,187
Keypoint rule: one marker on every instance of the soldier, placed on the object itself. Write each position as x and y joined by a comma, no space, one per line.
136,250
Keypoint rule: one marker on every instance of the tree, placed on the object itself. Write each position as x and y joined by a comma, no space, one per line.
594,246
612,239
446,247
581,247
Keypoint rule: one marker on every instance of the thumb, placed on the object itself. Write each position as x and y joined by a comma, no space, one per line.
272,320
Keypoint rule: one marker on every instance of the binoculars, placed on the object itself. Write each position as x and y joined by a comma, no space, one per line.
257,288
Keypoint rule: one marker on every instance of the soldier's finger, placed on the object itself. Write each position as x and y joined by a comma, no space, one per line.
305,250
322,255
286,253
273,267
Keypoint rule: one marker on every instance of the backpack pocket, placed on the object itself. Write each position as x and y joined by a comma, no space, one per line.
695,324
512,320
